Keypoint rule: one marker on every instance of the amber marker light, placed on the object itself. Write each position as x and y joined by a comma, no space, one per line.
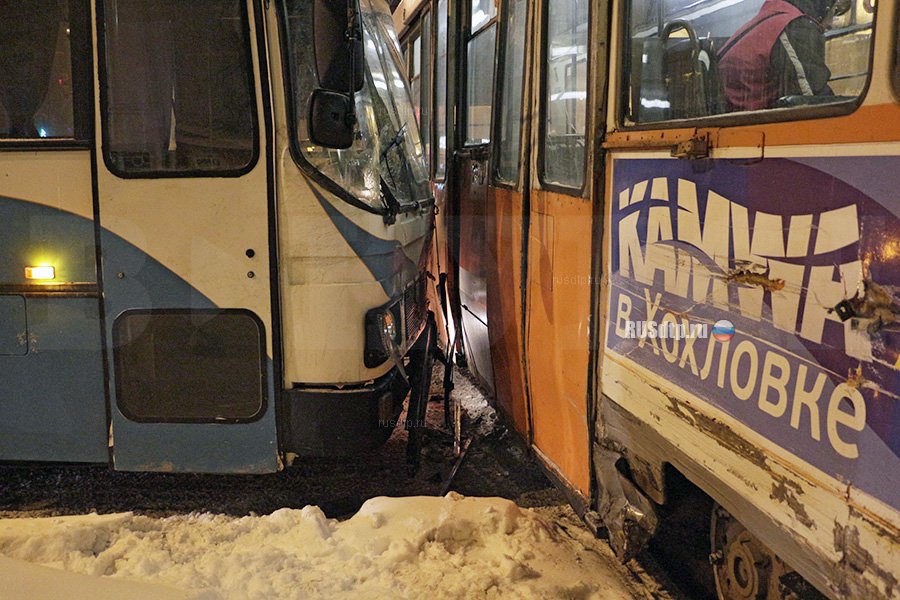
42,272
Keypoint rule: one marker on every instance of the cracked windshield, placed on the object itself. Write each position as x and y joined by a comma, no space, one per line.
386,161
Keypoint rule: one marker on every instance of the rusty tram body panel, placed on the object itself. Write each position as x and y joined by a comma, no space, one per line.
625,199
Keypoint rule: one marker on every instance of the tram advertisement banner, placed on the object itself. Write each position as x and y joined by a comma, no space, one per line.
770,290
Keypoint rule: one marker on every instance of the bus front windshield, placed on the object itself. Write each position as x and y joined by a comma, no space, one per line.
386,161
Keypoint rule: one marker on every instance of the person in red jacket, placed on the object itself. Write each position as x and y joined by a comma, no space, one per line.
780,52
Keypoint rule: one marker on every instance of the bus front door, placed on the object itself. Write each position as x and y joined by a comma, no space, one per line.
185,222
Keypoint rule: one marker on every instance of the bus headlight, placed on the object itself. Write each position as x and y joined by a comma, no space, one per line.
383,334
388,327
392,328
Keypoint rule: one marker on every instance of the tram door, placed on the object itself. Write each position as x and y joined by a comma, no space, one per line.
184,215
507,203
558,284
471,179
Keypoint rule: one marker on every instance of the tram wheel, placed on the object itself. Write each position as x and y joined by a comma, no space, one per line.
744,568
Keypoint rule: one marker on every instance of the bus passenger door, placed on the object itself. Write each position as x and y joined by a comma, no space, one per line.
471,177
559,247
184,213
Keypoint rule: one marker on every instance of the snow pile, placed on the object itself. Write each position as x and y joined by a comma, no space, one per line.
452,547
25,581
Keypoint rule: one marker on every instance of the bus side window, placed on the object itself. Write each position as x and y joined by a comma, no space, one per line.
177,87
688,59
37,96
565,93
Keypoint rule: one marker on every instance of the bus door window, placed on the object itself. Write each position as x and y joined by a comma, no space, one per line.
565,89
37,95
177,87
480,71
511,80
687,59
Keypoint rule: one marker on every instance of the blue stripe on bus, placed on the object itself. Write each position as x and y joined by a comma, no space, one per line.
51,361
34,233
385,259
54,406
177,447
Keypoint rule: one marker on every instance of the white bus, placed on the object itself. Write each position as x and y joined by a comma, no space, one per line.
214,224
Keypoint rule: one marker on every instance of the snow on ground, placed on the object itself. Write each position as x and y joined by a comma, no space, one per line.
414,547
27,581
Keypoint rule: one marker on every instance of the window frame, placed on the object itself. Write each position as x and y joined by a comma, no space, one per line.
499,74
426,75
407,49
103,85
435,45
463,125
427,91
117,366
895,71
734,119
543,107
82,72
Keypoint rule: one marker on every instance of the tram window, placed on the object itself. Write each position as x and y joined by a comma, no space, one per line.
424,104
511,89
480,86
482,11
42,93
440,92
896,76
414,59
688,59
565,100
418,56
178,87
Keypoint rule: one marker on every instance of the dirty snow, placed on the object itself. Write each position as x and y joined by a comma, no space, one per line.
451,547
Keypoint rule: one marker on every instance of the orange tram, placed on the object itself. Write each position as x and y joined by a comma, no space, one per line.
685,304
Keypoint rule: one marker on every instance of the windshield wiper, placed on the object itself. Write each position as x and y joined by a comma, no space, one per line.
394,143
392,204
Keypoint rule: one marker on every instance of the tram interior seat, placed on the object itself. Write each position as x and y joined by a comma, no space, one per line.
676,77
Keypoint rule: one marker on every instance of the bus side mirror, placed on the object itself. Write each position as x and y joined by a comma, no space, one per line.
338,45
332,119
